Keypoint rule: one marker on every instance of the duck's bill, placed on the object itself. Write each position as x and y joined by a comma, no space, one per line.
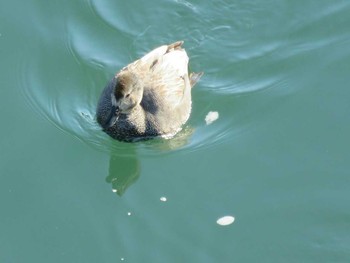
113,116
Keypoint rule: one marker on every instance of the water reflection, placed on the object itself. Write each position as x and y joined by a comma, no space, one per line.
124,167
123,170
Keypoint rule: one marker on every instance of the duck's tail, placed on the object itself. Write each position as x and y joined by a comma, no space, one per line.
175,46
194,78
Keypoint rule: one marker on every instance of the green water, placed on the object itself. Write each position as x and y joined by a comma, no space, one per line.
277,159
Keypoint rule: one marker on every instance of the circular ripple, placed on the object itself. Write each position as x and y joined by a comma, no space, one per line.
66,92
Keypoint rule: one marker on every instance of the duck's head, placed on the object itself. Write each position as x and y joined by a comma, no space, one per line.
127,92
120,96
125,96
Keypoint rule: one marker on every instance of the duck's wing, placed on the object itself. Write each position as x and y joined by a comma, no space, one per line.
168,71
170,77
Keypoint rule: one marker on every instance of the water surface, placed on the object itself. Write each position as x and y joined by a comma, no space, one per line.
277,72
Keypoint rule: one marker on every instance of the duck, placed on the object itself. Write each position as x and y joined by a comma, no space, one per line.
150,97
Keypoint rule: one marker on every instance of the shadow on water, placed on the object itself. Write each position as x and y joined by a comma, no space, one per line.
125,168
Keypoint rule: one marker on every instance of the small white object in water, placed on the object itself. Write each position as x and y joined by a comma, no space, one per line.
114,190
129,213
163,199
211,117
122,259
225,220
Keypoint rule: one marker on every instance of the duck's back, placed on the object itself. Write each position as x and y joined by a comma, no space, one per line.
167,89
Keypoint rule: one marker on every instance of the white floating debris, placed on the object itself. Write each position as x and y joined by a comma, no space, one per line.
129,213
211,117
163,199
225,220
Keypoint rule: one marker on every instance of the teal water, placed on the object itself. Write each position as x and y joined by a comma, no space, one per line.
277,159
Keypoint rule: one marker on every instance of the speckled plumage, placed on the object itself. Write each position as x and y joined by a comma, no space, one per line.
149,97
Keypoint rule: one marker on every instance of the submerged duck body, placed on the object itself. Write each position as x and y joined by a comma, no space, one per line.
149,97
